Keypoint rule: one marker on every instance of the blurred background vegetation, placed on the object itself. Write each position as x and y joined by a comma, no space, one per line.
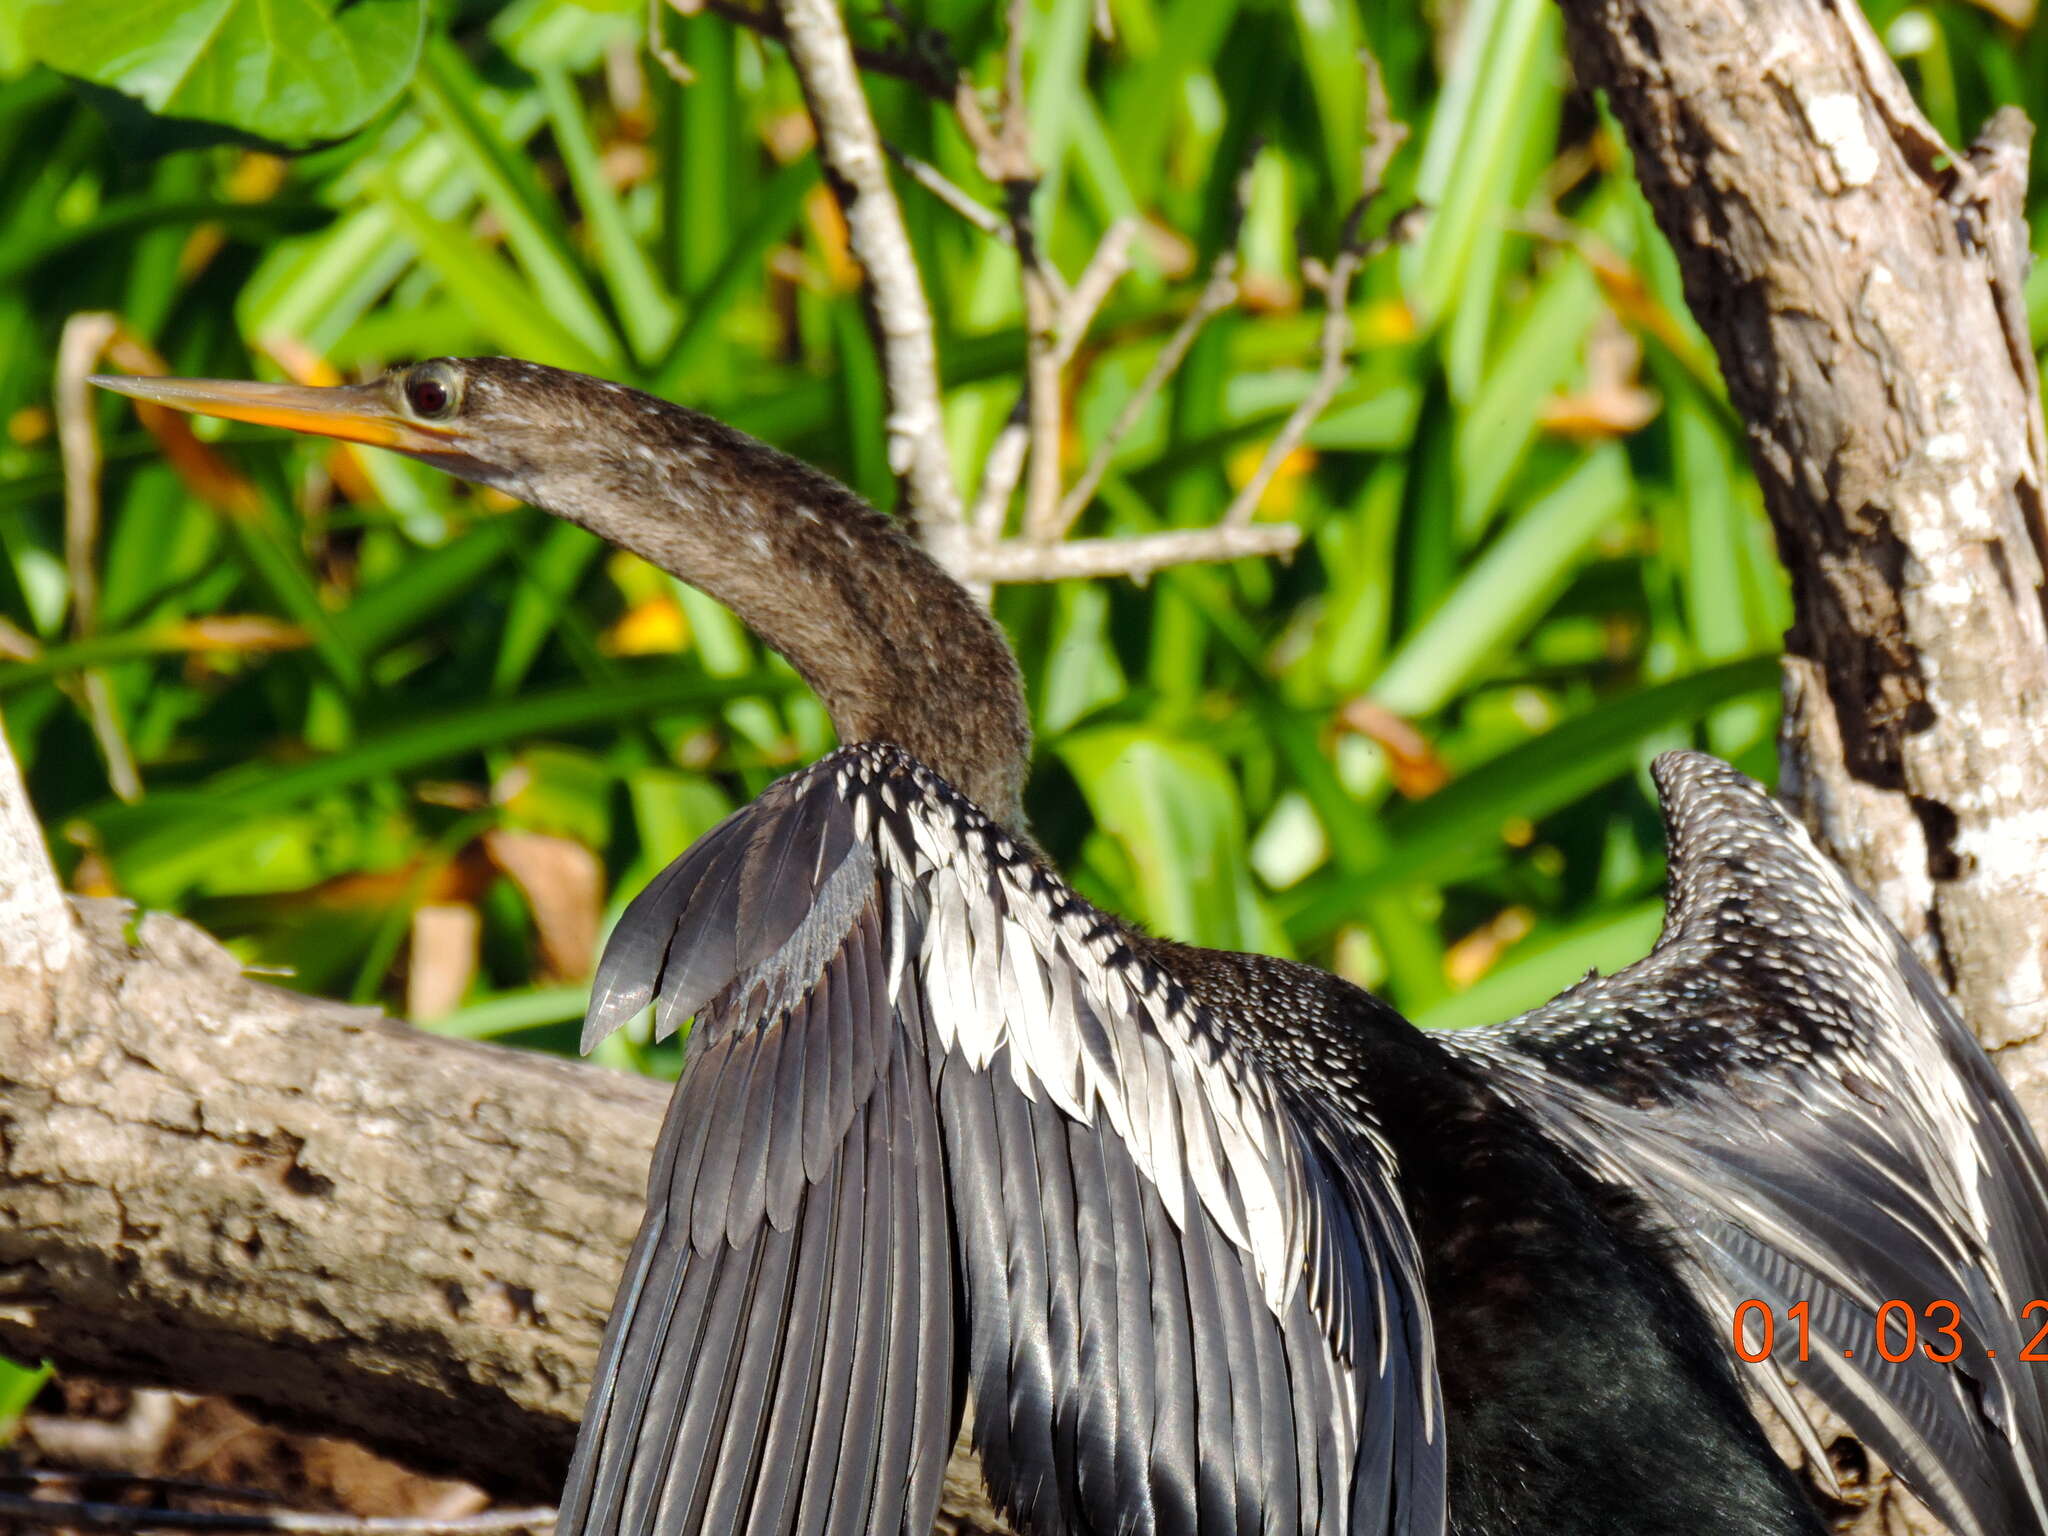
405,743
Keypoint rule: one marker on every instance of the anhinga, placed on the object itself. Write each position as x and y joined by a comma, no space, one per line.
1210,1244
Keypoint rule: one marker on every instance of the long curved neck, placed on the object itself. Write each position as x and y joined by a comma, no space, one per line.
895,649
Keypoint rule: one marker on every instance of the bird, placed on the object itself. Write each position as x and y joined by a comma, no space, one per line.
1196,1243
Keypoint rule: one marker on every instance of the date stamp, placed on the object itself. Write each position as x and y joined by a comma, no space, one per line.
1897,1333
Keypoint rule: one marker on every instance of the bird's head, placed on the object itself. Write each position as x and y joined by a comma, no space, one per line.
529,430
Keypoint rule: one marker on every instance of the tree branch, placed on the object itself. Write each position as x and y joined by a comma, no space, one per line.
213,1184
852,153
85,1515
1136,556
1384,136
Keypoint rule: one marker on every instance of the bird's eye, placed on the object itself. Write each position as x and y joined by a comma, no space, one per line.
429,394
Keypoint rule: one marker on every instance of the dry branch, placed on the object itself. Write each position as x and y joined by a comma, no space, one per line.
1856,282
1057,315
1861,286
212,1184
1384,137
1137,556
858,170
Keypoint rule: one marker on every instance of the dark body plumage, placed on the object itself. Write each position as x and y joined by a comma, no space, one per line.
1208,1244
1461,1283
1584,1388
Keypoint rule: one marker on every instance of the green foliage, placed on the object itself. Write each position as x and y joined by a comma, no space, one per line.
353,689
19,1385
291,72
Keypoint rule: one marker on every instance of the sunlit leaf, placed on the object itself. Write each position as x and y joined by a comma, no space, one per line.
291,71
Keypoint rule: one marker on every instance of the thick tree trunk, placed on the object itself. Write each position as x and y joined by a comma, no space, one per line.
1862,287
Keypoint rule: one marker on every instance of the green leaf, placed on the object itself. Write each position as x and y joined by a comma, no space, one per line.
291,71
1434,837
1174,808
447,89
169,838
644,305
513,1011
1541,968
1460,826
19,1385
1507,589
488,288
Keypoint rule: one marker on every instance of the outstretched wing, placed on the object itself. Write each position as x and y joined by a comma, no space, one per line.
942,1122
1792,1093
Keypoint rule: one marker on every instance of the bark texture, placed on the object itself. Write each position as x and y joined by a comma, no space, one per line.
205,1181
353,1226
1861,284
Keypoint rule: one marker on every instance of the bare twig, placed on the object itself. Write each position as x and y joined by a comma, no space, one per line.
934,76
1020,560
1057,316
87,1516
85,340
1334,354
668,58
1383,137
952,194
853,155
1006,456
1218,294
1091,290
1044,402
1004,153
1000,473
664,55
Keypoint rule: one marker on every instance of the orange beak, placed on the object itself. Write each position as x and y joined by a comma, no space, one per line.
352,413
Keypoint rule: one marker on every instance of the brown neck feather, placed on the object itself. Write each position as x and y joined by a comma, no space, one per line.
895,648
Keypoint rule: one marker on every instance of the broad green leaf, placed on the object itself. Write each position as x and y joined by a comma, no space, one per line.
19,1385
1460,824
447,89
1503,591
290,71
169,838
645,306
1491,103
1172,806
511,1012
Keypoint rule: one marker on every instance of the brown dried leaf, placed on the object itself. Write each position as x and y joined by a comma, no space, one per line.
1411,759
1614,402
1480,950
443,959
563,884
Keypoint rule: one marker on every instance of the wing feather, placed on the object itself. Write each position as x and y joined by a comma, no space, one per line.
925,1080
1797,1101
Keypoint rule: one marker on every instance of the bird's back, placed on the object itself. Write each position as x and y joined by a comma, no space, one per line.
1585,1390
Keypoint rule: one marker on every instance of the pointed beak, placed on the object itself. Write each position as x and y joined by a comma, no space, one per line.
353,413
